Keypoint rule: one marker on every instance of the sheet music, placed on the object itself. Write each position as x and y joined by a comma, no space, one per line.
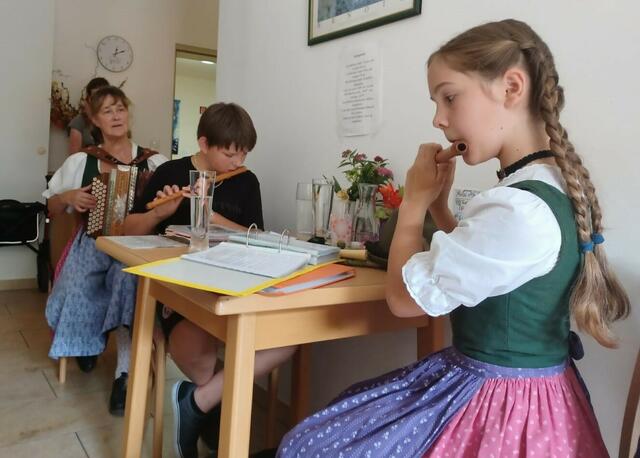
139,242
256,260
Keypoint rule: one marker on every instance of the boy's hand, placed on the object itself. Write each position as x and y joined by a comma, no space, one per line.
167,209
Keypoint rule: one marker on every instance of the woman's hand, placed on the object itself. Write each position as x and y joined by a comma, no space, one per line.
427,179
167,209
80,199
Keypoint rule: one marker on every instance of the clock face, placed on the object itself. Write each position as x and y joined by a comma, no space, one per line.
115,53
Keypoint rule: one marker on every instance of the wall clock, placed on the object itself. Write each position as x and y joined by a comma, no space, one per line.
115,53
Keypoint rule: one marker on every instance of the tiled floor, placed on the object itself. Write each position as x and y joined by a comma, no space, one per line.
41,418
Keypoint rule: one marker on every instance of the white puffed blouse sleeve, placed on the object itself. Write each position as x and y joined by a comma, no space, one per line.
506,238
155,160
68,176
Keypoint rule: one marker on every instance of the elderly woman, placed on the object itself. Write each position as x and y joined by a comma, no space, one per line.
91,295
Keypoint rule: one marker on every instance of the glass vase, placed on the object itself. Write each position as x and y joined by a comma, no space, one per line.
365,227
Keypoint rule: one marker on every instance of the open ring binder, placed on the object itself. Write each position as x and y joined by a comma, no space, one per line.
286,231
253,226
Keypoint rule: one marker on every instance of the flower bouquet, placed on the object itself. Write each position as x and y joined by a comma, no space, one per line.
357,202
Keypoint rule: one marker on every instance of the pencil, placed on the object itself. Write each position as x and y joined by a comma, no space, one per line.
219,178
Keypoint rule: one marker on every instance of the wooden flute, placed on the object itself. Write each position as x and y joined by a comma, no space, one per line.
219,179
457,149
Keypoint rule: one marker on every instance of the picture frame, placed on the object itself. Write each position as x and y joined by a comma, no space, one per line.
329,19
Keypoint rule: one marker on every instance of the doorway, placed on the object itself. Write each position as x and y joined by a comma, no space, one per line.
194,91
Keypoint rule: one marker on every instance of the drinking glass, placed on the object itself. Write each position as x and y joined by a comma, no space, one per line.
304,210
201,184
341,221
322,198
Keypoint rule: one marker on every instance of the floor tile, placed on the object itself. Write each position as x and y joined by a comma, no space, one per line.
38,338
22,421
12,340
64,445
24,386
22,322
14,300
27,308
24,359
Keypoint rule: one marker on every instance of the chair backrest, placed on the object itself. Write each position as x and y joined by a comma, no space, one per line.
631,422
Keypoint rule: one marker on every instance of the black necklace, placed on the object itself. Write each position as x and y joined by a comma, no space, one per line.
508,170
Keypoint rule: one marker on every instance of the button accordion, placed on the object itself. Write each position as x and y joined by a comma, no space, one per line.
115,192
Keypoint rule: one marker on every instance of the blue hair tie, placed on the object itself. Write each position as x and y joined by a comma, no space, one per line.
597,238
586,247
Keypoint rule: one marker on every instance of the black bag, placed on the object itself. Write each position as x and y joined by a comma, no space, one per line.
20,221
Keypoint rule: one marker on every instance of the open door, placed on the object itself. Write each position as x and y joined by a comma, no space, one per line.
194,90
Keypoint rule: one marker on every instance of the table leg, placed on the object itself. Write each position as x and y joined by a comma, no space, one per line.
431,338
300,385
237,392
139,370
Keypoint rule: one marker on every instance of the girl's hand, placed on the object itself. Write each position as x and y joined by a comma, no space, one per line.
441,202
426,179
80,199
167,209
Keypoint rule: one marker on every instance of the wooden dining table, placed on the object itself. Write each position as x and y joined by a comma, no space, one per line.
354,307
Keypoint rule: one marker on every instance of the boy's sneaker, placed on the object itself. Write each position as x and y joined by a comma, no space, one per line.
186,421
210,430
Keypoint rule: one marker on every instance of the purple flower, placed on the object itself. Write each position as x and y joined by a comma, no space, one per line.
360,157
385,172
346,152
378,159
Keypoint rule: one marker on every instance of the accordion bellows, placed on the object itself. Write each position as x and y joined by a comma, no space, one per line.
115,192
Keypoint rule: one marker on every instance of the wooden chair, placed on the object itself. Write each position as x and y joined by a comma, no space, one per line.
61,229
631,421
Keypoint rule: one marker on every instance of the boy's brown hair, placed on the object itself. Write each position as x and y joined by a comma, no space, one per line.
227,124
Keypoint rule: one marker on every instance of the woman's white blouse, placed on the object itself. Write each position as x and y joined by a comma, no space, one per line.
506,238
69,175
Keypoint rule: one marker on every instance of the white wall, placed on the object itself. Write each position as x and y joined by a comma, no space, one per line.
193,91
197,23
153,27
290,91
150,27
26,32
29,45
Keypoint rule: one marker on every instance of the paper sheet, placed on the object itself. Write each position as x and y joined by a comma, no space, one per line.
139,242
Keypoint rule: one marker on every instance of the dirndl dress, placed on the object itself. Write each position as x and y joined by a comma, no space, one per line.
90,297
450,405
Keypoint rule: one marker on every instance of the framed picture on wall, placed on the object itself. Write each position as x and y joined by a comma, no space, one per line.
329,19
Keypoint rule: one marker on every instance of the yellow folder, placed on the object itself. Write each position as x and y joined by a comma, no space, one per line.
210,278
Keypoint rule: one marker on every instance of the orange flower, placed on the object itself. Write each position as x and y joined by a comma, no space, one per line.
391,197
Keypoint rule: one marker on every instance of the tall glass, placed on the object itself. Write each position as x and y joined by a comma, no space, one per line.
201,184
304,210
341,221
322,196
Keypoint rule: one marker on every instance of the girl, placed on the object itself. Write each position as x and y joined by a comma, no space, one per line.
526,253
91,295
225,135
80,130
